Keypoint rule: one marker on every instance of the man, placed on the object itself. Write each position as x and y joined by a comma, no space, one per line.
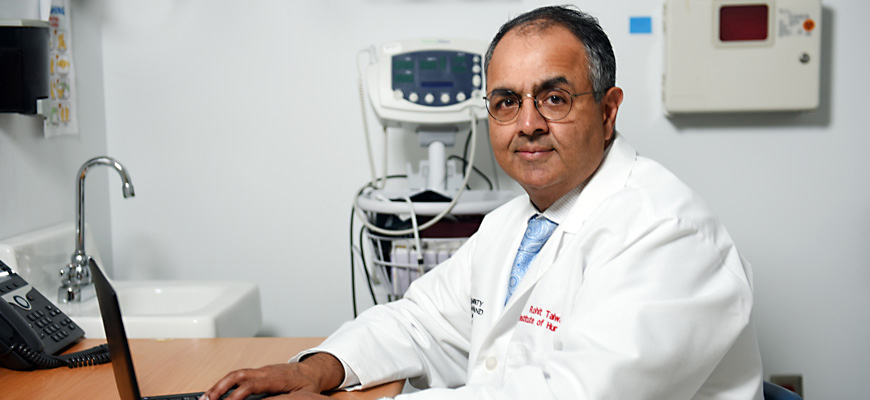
638,293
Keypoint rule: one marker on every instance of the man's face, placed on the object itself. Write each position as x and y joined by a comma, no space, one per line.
548,158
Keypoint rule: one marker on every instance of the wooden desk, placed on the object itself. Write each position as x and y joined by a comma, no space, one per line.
167,367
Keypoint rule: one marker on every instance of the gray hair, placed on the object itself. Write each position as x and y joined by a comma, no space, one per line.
599,52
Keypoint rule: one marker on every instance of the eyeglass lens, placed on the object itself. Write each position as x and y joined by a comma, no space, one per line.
553,104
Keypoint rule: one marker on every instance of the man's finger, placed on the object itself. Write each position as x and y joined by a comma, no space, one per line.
224,385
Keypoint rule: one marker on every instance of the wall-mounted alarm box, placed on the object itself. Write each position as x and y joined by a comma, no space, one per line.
741,55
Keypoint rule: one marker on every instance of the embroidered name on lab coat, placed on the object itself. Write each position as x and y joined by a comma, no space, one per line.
476,307
538,316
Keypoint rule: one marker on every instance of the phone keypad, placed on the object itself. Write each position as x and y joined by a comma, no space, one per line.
48,326
54,328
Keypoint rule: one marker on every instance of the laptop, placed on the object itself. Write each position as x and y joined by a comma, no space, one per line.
119,348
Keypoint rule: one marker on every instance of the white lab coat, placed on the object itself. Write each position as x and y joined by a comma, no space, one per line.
639,294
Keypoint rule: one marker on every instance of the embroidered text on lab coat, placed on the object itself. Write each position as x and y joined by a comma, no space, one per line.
476,307
540,317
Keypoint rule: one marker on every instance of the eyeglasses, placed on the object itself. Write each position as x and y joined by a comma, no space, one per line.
553,104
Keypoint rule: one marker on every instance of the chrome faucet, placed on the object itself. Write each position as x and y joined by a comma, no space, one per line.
77,275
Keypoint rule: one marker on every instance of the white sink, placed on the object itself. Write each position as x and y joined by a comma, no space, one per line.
177,309
151,309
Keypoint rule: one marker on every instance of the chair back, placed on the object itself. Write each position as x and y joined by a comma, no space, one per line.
774,392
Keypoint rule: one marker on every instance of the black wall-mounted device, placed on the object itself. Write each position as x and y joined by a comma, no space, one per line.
23,65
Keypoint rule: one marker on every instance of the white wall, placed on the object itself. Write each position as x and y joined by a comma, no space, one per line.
38,175
240,124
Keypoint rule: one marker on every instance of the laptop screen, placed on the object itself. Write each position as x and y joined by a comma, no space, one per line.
116,337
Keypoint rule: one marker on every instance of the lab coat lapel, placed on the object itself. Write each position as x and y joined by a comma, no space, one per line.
610,178
498,271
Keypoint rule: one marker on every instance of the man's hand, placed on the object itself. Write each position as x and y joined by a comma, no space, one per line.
308,378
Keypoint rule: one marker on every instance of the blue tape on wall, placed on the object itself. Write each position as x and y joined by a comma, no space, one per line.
640,25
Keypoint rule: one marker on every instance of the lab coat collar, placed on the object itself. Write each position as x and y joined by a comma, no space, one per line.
611,176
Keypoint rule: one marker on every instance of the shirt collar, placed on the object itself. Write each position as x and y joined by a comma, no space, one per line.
558,212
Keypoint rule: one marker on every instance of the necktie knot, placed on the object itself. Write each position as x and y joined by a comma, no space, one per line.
537,233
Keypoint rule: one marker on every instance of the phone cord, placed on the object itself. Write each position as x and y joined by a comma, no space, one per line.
93,356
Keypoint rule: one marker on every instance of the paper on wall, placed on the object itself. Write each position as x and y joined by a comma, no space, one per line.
61,115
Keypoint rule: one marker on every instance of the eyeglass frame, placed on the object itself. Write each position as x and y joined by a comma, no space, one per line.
520,99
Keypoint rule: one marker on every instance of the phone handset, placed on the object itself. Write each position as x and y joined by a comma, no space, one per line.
32,329
9,319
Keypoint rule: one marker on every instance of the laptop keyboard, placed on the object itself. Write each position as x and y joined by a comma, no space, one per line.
195,396
186,396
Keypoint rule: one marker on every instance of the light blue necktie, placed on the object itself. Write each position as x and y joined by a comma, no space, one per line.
537,233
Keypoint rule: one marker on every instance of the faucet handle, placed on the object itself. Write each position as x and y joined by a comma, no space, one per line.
73,277
75,274
67,274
